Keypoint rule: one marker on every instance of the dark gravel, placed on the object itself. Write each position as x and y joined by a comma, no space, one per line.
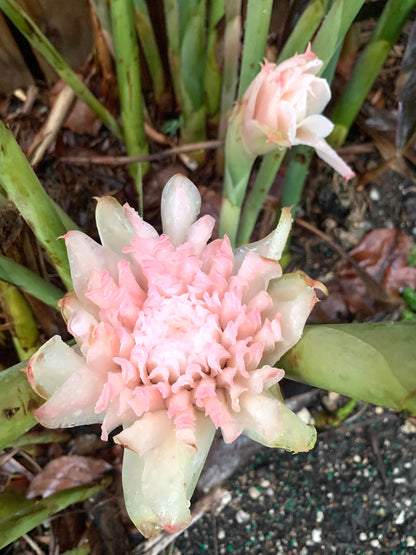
354,493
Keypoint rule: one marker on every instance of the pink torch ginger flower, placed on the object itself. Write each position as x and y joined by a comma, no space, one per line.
282,107
174,338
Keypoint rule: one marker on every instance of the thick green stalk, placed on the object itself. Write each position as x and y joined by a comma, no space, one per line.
17,403
304,30
128,75
368,66
238,164
255,38
212,69
171,9
232,38
370,362
192,70
38,40
24,189
24,331
149,46
264,180
29,282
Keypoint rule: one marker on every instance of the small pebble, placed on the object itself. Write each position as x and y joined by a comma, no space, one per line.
362,537
375,195
265,483
253,492
317,535
408,428
400,518
410,541
375,543
319,516
242,517
221,534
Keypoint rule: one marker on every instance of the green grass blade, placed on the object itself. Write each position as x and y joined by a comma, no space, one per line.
23,187
38,40
20,515
128,76
29,282
17,403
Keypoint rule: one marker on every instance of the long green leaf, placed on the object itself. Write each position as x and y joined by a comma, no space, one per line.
370,362
20,515
17,403
29,282
24,189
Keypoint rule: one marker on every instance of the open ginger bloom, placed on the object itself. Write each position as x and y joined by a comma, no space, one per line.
175,337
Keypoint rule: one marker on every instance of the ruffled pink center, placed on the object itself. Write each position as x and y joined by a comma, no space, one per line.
180,332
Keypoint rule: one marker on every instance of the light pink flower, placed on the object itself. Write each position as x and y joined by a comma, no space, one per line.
174,338
282,107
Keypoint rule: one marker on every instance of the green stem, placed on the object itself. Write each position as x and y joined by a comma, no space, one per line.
253,205
299,159
128,76
255,38
212,69
304,30
149,46
368,66
38,40
24,189
237,172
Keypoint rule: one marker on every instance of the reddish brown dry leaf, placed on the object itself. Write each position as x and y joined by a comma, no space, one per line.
66,472
383,253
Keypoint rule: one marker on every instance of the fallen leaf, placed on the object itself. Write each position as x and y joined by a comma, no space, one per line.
66,472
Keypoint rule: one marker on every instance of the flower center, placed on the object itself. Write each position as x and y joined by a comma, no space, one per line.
175,334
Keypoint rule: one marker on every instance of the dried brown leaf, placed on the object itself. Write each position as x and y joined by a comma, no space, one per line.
66,472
